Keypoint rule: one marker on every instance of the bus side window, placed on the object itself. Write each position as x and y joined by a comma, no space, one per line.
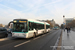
32,24
29,25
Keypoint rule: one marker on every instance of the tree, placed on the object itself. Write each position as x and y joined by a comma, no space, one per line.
57,25
62,26
71,24
51,25
1,25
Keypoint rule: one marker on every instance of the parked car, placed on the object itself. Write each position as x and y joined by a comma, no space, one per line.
3,32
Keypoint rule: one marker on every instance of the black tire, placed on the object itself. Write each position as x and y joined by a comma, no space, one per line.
34,35
6,35
43,32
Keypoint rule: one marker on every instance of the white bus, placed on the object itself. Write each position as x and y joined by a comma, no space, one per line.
26,28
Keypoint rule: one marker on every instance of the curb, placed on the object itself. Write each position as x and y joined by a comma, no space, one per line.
57,42
60,42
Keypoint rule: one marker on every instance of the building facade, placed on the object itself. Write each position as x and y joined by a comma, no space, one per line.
69,20
1,25
53,22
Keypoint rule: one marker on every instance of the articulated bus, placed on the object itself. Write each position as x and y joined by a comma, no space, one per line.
26,28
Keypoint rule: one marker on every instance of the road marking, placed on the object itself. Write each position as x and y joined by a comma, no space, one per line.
44,35
27,41
57,41
22,43
36,38
3,39
39,37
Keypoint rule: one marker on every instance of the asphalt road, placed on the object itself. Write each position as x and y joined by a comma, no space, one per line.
41,42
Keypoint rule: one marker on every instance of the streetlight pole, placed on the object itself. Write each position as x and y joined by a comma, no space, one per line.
64,21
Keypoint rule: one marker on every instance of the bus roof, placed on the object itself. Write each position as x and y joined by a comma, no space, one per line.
35,21
19,19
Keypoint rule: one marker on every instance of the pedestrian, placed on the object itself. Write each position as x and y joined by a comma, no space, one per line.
67,29
64,29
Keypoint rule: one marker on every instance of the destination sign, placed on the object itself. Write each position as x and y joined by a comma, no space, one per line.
19,21
22,21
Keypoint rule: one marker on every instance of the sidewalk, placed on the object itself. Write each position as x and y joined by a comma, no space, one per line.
68,40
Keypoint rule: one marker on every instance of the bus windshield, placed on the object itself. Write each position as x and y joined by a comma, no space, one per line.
19,27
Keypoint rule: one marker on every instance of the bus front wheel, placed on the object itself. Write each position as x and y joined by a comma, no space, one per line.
34,35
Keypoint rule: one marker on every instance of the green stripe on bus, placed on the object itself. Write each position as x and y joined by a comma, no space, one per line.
47,24
30,21
20,32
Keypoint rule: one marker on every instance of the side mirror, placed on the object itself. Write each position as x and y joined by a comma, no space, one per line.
10,23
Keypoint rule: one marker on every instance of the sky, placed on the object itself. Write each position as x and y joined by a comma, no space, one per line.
36,9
